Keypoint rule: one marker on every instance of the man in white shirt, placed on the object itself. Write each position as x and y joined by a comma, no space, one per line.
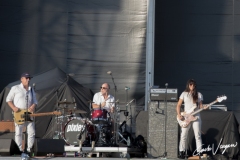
103,100
23,97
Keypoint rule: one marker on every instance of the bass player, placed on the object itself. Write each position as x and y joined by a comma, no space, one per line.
22,97
191,98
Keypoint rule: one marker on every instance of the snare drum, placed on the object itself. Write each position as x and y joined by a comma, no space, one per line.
76,130
99,116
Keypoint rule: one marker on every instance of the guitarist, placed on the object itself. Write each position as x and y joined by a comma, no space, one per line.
191,98
20,97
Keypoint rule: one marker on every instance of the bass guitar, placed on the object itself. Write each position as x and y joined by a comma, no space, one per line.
21,116
188,116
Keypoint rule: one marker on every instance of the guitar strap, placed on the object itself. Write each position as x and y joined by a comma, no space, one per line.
32,118
32,94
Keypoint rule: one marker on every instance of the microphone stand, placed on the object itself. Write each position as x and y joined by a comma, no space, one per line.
26,119
115,111
165,125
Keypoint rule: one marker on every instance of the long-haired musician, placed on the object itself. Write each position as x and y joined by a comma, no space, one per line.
191,98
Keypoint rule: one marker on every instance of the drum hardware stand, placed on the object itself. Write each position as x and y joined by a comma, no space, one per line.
126,115
102,140
123,139
128,141
115,110
60,122
90,107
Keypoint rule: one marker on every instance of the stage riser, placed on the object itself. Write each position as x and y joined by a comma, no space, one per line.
156,130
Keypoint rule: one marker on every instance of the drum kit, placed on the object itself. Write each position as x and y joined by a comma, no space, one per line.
84,131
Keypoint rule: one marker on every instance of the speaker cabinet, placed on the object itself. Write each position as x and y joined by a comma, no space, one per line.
162,130
8,147
42,147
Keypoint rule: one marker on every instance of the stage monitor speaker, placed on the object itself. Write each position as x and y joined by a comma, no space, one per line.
162,140
8,147
43,147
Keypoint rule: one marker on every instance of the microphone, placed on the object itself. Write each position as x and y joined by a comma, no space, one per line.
166,84
127,88
109,72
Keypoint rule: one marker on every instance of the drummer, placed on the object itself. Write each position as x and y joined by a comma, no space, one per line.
103,100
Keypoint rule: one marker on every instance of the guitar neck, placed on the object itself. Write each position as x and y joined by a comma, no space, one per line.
203,109
41,114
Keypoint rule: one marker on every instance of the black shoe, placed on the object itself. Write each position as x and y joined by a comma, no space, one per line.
181,155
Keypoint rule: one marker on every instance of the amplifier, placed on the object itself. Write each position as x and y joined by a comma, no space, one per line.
160,94
218,107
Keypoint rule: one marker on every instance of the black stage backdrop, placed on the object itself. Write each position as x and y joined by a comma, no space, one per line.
52,87
84,38
200,40
218,128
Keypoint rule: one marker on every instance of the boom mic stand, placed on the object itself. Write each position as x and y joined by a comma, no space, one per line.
115,110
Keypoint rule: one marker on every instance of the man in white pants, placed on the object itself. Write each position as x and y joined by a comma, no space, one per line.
23,97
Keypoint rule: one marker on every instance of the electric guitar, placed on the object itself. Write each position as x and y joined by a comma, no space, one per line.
188,116
21,116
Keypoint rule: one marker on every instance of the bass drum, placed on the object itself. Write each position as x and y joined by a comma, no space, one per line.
77,129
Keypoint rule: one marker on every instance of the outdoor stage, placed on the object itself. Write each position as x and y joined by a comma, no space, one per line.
159,140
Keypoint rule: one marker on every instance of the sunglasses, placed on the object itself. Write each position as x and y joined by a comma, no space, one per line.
28,78
191,84
103,88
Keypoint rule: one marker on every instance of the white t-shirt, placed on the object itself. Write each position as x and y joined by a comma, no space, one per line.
98,99
19,96
188,100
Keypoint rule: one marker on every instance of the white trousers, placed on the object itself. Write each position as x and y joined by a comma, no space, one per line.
197,133
30,133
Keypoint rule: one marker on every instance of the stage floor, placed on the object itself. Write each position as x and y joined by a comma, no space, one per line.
99,153
71,158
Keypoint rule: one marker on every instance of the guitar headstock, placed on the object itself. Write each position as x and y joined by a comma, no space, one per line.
221,98
56,113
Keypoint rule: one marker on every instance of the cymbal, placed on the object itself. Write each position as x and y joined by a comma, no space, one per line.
75,110
90,101
79,111
65,102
